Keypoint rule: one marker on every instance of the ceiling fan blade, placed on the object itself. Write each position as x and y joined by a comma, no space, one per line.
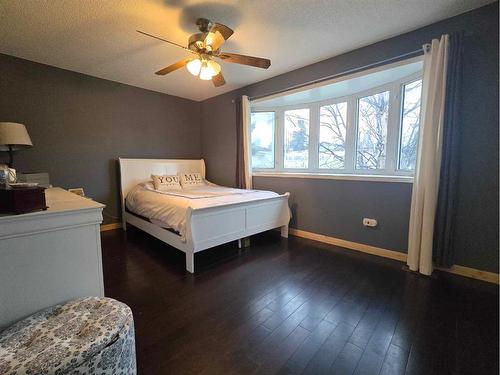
217,35
218,80
225,31
165,40
245,60
171,68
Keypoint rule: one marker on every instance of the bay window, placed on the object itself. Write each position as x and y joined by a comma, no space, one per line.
370,132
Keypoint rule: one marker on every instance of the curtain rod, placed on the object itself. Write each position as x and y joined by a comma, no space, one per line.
347,72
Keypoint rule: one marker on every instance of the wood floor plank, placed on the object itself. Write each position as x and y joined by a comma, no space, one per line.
299,360
395,361
369,364
322,361
347,360
274,358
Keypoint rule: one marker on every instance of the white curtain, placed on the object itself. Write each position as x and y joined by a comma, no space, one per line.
247,147
427,170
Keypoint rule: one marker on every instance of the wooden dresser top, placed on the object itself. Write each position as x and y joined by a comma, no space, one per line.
59,202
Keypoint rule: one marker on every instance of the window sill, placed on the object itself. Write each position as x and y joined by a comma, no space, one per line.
325,176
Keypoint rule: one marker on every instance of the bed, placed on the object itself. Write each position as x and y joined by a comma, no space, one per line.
206,224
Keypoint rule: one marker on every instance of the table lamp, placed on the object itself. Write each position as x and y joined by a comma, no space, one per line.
13,137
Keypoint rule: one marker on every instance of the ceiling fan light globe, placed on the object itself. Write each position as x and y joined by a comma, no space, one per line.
205,74
194,67
214,67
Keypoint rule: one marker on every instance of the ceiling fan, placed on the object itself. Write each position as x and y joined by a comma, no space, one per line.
206,45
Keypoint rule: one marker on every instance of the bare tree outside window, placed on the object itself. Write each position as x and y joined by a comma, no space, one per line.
296,142
332,136
373,113
410,125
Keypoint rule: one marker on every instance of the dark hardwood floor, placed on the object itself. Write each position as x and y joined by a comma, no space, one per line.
297,307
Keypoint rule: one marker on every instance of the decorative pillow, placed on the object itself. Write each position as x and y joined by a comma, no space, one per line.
192,179
166,182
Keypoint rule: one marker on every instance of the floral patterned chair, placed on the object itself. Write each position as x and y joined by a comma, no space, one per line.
86,336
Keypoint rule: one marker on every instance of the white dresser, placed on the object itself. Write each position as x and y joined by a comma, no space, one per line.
50,256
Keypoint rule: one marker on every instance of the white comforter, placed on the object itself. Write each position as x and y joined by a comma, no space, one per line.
168,209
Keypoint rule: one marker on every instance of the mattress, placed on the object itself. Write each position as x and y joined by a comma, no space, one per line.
169,209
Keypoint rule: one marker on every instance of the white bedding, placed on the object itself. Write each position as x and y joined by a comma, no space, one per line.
168,209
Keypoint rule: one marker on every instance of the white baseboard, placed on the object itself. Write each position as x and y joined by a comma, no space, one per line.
473,273
111,226
350,245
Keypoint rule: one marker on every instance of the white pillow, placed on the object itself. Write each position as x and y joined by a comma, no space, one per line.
166,182
192,179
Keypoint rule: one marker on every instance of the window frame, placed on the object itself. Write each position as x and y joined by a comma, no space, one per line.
394,124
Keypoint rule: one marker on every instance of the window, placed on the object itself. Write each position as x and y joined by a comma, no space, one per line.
262,138
296,145
371,129
410,124
373,112
332,135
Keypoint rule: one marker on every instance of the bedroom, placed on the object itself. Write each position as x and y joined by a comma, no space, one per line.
339,294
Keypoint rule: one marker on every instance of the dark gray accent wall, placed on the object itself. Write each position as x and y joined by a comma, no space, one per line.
334,207
337,208
80,124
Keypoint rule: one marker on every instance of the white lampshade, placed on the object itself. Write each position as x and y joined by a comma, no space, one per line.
214,67
194,66
205,72
14,135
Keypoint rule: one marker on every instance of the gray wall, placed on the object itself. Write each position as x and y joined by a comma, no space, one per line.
337,207
334,207
80,124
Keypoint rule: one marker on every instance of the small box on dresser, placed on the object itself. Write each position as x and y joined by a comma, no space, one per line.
22,200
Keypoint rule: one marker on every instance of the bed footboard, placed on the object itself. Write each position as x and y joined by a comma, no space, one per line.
214,226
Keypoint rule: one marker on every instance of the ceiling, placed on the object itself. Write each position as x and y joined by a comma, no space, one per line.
98,38
346,86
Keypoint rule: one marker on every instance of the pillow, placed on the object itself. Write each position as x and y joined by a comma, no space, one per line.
166,182
192,179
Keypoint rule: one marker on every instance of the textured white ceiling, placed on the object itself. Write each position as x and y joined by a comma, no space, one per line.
97,37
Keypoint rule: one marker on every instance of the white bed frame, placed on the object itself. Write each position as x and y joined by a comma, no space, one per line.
206,227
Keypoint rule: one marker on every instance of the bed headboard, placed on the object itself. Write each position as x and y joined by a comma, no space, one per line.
135,171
